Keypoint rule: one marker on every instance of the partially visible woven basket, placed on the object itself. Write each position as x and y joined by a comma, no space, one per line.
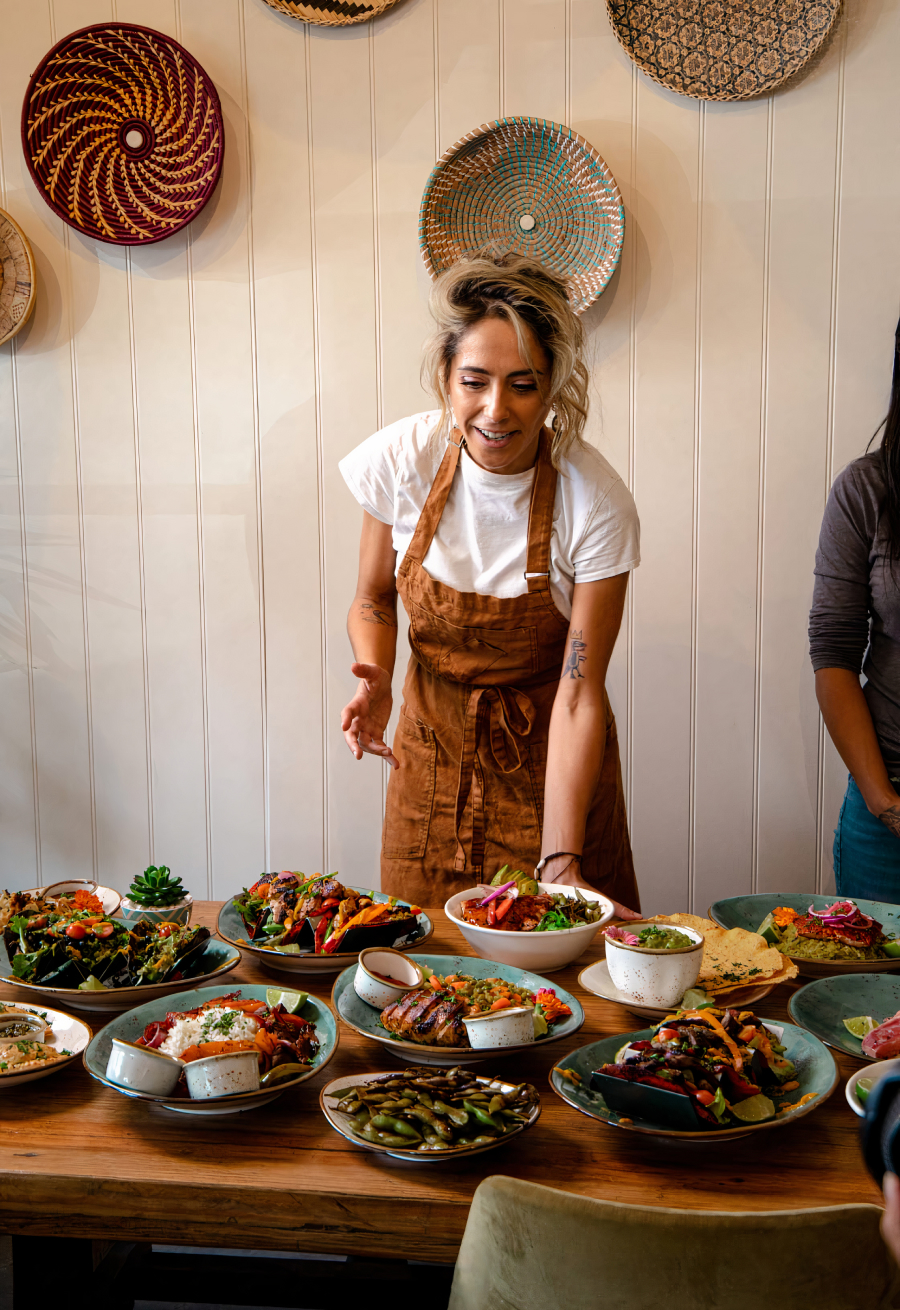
122,130
332,13
16,278
527,185
722,49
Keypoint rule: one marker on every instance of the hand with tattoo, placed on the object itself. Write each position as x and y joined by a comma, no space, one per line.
891,819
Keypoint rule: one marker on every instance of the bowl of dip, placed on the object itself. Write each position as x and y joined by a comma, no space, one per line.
383,975
651,963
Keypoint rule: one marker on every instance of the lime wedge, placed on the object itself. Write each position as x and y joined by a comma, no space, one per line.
863,1087
860,1026
292,1001
91,984
754,1110
291,949
694,998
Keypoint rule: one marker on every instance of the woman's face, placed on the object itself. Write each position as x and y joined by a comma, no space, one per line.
495,398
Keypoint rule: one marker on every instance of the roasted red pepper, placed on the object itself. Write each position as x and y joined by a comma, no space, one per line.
504,906
321,930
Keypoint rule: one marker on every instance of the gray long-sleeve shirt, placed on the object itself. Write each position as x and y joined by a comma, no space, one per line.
855,618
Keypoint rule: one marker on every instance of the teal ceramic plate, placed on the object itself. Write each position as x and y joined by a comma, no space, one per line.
365,1019
230,926
214,961
749,911
129,1027
821,1007
816,1073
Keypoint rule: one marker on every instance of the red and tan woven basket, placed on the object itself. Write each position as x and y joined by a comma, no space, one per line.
332,13
122,131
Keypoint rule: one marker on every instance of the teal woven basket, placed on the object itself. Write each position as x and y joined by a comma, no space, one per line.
527,185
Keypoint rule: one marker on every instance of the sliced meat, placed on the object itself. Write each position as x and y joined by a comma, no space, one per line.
426,1016
866,932
883,1042
524,916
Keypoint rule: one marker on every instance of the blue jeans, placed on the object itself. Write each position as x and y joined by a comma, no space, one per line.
866,853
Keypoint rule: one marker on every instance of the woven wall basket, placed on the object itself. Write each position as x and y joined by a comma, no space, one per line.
17,280
122,130
527,185
332,13
722,49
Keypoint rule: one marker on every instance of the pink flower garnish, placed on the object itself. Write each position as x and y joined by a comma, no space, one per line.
617,934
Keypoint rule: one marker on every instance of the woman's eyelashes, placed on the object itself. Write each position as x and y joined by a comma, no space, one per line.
519,388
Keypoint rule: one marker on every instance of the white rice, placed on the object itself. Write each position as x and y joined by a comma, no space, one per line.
218,1024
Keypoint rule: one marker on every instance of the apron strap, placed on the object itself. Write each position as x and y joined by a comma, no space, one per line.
433,508
540,519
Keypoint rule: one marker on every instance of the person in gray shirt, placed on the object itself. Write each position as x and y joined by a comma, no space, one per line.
854,627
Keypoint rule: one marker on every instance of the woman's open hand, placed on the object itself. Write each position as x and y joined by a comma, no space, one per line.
365,717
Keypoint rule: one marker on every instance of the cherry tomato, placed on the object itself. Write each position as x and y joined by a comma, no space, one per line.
668,1035
76,931
40,921
94,918
103,930
164,930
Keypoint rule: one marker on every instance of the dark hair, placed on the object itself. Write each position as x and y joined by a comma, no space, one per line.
890,456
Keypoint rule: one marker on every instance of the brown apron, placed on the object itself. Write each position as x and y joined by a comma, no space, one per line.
472,737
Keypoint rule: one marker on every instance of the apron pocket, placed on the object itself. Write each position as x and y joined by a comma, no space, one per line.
467,654
410,796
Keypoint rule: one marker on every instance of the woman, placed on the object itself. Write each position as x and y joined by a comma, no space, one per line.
855,626
510,544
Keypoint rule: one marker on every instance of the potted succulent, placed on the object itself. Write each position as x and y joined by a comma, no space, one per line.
157,896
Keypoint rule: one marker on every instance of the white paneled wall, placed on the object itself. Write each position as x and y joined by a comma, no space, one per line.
178,550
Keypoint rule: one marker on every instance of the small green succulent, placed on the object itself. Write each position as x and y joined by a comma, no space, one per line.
156,887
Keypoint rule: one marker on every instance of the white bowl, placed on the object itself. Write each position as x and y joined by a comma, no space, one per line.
874,1073
143,1068
541,952
109,899
223,1075
654,976
499,1028
385,960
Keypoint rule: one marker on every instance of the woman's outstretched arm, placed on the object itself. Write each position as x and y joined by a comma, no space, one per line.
372,627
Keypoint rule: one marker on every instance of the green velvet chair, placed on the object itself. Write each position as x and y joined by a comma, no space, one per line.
528,1247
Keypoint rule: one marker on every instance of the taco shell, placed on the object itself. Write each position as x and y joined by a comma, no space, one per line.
733,957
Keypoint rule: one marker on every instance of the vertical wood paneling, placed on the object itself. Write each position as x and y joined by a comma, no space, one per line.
469,82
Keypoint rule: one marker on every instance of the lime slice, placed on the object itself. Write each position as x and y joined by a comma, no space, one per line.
754,1110
860,1026
291,949
694,998
863,1087
292,1001
91,984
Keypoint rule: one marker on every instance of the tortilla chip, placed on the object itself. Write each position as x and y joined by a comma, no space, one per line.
733,957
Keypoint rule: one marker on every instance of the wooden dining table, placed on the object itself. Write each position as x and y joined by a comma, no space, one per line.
83,1165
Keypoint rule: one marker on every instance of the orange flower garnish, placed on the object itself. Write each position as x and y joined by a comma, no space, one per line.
784,916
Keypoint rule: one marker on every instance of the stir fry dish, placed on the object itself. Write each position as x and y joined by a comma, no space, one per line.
423,1109
516,904
285,1042
433,1015
839,932
296,915
81,947
726,1064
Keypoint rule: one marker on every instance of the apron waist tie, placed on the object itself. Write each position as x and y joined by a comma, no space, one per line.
508,715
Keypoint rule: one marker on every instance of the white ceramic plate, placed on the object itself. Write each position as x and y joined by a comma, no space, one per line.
542,952
69,1034
595,978
328,1101
109,899
874,1074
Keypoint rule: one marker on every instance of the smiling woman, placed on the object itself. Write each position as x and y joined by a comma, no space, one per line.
510,541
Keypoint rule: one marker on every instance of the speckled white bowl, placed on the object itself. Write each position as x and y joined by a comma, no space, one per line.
654,977
540,952
143,1069
384,959
222,1075
499,1028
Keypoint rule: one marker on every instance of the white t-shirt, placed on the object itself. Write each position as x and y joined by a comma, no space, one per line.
481,540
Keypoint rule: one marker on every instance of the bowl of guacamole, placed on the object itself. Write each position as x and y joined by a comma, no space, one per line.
653,963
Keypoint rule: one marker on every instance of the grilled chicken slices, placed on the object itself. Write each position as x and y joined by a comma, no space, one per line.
428,1017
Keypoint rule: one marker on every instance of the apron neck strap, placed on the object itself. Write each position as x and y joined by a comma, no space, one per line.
436,500
540,519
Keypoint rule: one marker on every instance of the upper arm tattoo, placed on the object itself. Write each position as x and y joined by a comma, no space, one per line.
575,656
379,614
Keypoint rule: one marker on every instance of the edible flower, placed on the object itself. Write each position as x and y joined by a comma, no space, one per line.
784,916
551,1006
621,935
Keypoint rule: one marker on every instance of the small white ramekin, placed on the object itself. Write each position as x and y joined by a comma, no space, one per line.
222,1075
143,1068
498,1028
384,959
17,1019
653,976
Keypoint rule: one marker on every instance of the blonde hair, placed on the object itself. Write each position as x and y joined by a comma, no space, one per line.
528,296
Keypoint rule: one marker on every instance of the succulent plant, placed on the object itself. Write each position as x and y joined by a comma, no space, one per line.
156,887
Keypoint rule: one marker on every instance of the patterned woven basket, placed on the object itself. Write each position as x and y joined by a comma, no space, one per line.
16,278
531,186
122,130
722,49
332,13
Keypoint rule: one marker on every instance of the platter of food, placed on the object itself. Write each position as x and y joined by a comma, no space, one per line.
825,937
66,893
532,925
427,1024
428,1116
290,1045
857,1014
294,924
701,1076
36,1042
73,951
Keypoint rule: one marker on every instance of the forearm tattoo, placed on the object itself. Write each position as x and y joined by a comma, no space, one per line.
891,819
370,613
575,657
